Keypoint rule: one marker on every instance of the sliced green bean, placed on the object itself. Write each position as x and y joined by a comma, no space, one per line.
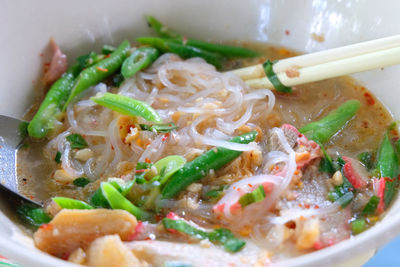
160,29
224,50
184,51
51,108
69,203
273,78
358,226
321,131
127,106
221,235
99,71
117,201
159,128
169,165
388,167
200,167
140,59
98,199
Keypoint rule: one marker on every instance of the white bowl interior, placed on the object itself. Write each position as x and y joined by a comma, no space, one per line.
80,26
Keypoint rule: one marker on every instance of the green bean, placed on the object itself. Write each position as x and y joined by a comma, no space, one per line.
127,106
51,108
140,59
224,50
107,49
117,201
388,167
321,131
98,199
200,167
273,78
219,235
69,203
184,51
99,71
161,29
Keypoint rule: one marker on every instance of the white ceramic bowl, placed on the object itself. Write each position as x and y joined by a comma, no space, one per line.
79,26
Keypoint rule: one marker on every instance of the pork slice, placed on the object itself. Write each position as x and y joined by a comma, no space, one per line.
58,65
291,134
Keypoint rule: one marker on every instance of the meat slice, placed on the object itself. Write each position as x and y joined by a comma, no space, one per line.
72,229
57,67
306,150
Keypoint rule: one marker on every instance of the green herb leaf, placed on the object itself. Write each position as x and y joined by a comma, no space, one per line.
58,157
221,235
33,215
81,181
371,206
77,141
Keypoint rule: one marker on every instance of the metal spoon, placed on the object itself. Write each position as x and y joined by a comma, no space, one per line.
12,134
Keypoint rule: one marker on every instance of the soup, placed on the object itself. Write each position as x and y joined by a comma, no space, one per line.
168,161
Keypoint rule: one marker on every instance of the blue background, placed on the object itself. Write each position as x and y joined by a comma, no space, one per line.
387,256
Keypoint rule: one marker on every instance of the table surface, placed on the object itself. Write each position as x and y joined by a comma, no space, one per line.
386,256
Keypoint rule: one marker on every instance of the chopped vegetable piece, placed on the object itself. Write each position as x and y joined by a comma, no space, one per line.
321,131
51,108
215,193
107,49
117,80
358,226
69,203
273,78
184,51
169,165
58,157
224,50
371,206
387,166
367,159
256,195
117,201
220,235
159,128
345,200
140,59
326,164
98,199
33,215
200,167
127,106
93,75
160,29
81,181
77,141
89,59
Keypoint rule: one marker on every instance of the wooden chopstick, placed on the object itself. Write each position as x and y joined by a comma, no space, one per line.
327,64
